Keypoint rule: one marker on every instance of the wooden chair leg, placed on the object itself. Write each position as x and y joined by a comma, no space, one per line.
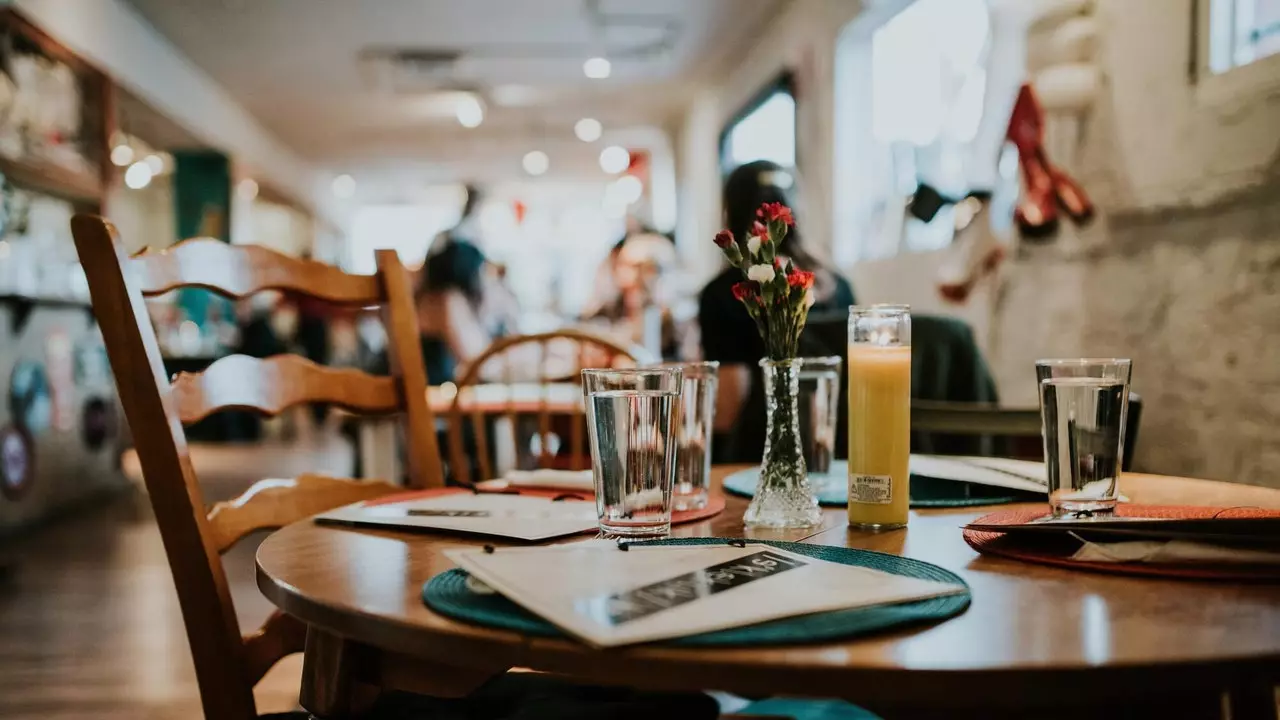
328,676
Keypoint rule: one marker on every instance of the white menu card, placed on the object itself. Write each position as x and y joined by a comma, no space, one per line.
511,516
608,597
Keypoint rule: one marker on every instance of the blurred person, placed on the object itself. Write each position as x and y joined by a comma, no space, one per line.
639,313
729,334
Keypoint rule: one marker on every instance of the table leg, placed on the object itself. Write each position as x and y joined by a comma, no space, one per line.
328,675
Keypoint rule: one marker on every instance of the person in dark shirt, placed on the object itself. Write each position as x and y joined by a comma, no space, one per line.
729,335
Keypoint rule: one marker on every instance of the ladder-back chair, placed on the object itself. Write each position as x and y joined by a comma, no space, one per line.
227,664
528,376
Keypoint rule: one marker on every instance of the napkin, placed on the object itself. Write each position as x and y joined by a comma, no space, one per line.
574,480
1173,552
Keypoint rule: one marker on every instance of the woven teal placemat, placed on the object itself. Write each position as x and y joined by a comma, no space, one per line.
833,490
448,595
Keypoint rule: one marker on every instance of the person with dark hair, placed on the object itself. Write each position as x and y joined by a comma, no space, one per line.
728,333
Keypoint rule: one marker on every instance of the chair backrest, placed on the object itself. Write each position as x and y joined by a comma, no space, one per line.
538,377
228,665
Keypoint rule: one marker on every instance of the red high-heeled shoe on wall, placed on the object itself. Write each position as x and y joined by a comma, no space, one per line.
1045,187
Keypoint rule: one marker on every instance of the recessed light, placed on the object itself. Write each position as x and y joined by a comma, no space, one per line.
597,68
137,176
155,162
536,162
470,111
344,186
614,159
588,129
121,155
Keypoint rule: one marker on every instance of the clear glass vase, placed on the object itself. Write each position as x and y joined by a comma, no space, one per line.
783,498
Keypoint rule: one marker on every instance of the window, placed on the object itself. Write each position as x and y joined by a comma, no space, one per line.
910,90
764,130
1241,32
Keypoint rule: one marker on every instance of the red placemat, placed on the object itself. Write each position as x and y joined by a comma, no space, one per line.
715,502
1058,550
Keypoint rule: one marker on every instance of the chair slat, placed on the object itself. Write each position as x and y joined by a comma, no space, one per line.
276,502
237,271
279,637
973,419
277,383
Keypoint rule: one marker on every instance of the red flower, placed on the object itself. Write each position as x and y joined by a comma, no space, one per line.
759,230
743,290
777,263
800,278
724,239
776,211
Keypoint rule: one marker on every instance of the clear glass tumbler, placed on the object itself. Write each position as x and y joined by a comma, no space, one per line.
631,420
1083,406
693,434
819,411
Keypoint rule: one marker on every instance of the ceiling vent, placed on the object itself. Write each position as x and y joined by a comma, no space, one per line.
408,70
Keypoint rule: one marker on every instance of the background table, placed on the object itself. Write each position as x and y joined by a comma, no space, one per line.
1034,636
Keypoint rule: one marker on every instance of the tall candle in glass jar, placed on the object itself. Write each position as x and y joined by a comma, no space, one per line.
879,416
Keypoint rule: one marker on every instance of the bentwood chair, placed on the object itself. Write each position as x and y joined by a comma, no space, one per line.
227,664
521,396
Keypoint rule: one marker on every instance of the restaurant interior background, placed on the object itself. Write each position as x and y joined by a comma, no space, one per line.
327,129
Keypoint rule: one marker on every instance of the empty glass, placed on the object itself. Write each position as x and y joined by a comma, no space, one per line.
819,402
693,434
631,421
1083,407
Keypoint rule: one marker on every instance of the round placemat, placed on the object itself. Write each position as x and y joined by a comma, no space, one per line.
832,489
1057,550
447,594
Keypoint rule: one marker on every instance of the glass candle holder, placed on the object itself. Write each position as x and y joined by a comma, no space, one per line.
879,363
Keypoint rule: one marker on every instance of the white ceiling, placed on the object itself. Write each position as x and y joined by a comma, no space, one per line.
297,66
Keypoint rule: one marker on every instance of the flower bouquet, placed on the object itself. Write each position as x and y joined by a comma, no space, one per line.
777,295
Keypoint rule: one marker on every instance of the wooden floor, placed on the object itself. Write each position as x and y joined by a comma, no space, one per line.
89,621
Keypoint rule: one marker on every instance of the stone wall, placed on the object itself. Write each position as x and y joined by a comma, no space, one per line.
1193,297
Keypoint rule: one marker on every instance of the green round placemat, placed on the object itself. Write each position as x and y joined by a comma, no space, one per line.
926,492
448,594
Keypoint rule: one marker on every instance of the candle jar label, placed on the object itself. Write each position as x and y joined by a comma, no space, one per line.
873,489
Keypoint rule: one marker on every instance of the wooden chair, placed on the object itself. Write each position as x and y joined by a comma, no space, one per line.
228,665
552,394
1018,427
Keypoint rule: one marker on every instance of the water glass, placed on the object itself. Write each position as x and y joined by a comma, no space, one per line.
1083,407
819,409
693,434
631,420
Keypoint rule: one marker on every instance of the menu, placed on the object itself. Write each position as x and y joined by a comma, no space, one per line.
518,517
607,596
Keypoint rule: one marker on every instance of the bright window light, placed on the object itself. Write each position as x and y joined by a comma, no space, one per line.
767,133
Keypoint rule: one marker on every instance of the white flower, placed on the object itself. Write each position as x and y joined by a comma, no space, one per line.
753,245
760,273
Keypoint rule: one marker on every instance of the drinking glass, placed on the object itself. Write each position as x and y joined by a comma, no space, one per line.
819,409
696,414
1083,406
631,421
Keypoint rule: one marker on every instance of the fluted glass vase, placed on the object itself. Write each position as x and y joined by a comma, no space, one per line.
783,498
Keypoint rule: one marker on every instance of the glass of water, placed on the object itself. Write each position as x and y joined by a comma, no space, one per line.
1083,407
631,417
696,413
819,410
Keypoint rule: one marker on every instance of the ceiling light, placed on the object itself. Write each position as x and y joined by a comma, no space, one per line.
597,68
121,155
614,159
470,111
344,186
137,176
155,162
247,189
588,129
536,162
629,188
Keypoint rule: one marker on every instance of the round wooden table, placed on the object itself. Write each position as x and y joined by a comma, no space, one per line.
1034,636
